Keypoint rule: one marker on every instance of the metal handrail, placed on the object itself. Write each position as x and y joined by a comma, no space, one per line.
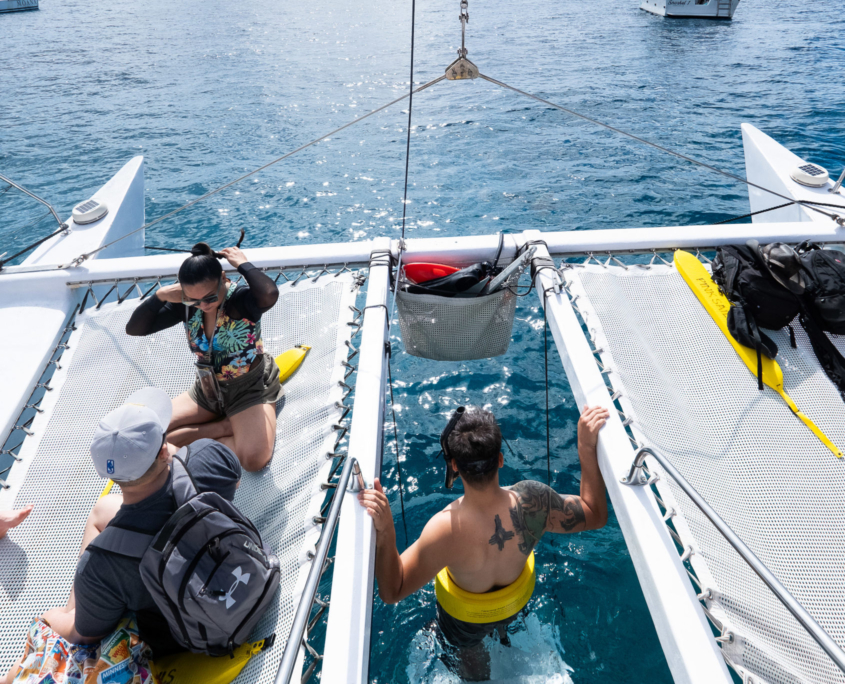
838,183
61,223
637,478
303,610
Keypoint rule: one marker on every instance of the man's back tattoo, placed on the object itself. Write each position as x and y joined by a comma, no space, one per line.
535,503
501,535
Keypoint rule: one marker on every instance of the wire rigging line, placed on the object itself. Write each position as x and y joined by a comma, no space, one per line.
34,244
398,462
87,255
410,110
753,213
399,264
836,217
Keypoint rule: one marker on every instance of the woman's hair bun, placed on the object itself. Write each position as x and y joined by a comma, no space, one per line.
201,266
202,249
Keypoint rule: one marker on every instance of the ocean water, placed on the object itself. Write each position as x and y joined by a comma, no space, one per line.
208,90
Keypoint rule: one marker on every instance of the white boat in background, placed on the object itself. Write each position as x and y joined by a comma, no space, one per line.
691,9
17,5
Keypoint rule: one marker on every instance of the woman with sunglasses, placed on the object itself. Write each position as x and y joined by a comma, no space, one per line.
233,399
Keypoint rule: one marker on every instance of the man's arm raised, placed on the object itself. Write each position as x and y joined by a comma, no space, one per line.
540,509
589,510
400,576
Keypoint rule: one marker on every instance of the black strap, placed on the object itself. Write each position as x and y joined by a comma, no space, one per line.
122,541
499,251
184,488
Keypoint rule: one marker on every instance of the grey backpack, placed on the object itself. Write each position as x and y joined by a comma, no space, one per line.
207,569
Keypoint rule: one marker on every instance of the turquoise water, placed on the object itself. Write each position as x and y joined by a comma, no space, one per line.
208,90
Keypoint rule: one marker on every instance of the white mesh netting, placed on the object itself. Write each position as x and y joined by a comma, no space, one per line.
101,368
763,471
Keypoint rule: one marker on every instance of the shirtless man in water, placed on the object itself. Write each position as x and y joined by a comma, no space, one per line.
485,537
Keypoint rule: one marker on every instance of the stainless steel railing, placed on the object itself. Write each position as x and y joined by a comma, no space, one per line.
303,611
637,478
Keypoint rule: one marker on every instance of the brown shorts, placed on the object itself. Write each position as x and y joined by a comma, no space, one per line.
258,386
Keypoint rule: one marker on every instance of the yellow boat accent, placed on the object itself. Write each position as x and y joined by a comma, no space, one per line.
290,360
197,668
489,607
717,305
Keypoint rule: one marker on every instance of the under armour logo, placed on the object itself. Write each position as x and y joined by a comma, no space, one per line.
240,578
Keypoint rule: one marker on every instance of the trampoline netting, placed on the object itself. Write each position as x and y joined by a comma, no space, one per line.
763,471
100,369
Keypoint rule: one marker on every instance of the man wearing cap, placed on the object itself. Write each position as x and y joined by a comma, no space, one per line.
480,548
130,447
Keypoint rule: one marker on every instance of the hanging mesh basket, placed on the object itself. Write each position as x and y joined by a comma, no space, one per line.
457,329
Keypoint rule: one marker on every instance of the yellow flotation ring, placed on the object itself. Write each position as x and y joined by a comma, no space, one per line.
490,607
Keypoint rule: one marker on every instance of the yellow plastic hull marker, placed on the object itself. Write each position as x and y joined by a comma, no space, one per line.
197,668
717,305
290,360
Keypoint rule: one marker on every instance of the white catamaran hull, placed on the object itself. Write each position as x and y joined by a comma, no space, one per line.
692,9
42,300
41,308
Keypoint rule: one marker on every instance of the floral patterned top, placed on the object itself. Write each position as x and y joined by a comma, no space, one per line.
236,341
237,338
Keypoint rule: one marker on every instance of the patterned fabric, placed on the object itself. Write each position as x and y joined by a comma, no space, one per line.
121,658
237,341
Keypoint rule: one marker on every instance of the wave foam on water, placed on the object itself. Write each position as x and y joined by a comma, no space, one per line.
534,656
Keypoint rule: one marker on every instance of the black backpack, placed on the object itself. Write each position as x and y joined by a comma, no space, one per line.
825,297
769,286
207,569
757,300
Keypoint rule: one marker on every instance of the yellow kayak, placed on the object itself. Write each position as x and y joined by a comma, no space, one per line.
290,360
718,306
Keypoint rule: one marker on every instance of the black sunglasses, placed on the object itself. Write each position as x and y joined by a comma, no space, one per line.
209,299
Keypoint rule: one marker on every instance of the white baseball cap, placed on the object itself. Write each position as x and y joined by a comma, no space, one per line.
129,438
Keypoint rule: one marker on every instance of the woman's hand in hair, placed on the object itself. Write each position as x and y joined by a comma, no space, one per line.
170,293
234,256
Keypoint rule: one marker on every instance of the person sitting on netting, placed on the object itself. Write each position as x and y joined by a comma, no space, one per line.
233,399
480,548
130,447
